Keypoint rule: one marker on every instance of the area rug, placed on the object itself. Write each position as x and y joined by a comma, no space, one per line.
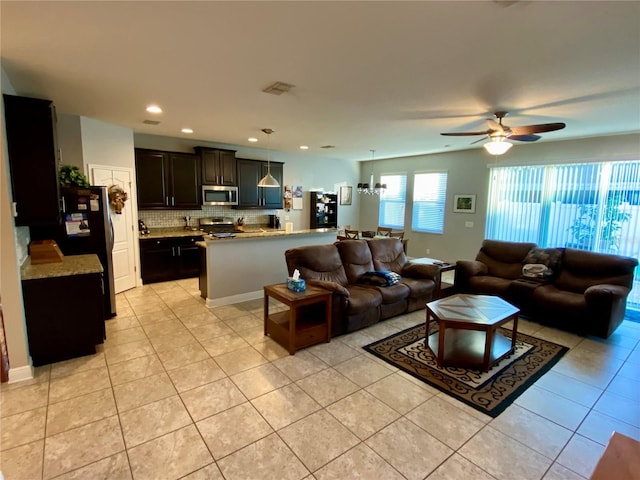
489,392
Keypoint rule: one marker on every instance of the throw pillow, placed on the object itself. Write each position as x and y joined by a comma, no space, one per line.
383,278
549,257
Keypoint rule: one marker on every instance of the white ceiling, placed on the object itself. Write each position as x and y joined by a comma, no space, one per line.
388,76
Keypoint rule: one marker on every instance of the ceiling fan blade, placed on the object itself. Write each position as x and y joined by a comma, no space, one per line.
525,138
493,125
543,127
464,134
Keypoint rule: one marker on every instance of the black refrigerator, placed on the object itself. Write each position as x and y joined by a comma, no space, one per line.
87,228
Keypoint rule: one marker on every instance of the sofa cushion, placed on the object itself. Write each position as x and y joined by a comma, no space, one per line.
419,288
356,258
487,284
387,254
362,298
317,262
504,259
549,257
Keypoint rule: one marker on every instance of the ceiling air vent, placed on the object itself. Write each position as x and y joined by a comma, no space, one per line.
278,88
151,122
328,146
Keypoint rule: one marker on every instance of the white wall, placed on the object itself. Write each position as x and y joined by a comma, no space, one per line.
69,140
106,144
468,173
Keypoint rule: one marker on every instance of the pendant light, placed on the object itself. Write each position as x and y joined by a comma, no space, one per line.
268,180
371,188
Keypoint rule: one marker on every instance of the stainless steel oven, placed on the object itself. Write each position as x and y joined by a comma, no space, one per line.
219,195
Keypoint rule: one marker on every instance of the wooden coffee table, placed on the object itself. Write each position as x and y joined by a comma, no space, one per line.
468,335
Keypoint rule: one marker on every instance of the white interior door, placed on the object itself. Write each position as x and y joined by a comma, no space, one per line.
125,233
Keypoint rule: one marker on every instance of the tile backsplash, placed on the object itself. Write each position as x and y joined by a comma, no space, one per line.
175,218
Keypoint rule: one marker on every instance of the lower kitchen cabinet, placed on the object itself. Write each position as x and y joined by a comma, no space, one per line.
64,316
169,258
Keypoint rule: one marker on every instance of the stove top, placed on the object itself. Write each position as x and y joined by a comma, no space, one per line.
217,225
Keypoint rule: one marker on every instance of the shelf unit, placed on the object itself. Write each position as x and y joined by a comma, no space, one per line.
324,210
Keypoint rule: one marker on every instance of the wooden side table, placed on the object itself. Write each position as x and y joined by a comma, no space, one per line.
443,267
305,323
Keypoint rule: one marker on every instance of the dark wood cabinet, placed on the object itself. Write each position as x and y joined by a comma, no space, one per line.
33,160
218,166
64,316
249,194
171,258
324,210
168,180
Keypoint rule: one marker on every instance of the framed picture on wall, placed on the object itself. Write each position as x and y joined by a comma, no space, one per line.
345,195
464,203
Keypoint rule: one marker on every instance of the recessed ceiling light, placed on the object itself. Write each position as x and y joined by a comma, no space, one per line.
253,139
187,130
304,147
154,109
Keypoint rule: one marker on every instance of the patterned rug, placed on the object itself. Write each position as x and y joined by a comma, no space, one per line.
489,392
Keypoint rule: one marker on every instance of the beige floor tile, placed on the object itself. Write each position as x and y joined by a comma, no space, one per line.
327,386
76,365
560,337
233,429
169,457
361,463
271,350
266,458
155,317
153,420
553,407
182,356
40,374
196,374
300,365
189,307
334,352
210,472
197,319
119,337
166,327
22,428
149,307
595,370
115,467
621,408
210,330
457,467
534,431
240,360
135,369
79,411
601,347
253,336
382,330
358,339
515,459
444,421
145,390
260,380
625,386
363,413
569,388
228,312
25,398
243,322
23,462
558,472
409,449
121,322
599,427
363,370
581,455
87,381
318,439
478,415
399,393
285,405
128,351
212,398
224,344
81,446
170,342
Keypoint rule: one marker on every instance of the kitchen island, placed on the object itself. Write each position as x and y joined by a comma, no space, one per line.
236,269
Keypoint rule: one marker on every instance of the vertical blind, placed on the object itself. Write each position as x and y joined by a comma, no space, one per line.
392,201
429,197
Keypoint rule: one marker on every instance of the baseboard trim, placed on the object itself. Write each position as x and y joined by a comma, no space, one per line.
20,374
230,300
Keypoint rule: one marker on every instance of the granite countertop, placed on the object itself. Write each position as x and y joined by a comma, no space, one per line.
270,232
251,231
70,265
170,232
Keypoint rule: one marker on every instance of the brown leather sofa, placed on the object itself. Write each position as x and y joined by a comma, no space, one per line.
585,292
340,267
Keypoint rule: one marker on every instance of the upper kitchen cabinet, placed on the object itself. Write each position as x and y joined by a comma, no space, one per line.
249,194
168,180
33,160
218,166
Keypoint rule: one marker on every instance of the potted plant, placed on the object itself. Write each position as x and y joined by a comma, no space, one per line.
585,228
71,176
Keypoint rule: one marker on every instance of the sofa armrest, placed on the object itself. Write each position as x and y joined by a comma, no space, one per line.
331,286
605,293
471,268
420,270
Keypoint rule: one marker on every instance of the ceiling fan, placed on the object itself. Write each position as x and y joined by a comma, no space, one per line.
499,133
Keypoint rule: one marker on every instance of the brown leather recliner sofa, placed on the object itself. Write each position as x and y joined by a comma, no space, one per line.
340,267
585,292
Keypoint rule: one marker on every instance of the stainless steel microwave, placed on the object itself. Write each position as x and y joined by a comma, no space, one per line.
219,195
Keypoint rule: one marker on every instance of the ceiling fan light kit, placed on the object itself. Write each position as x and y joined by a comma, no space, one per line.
268,181
497,146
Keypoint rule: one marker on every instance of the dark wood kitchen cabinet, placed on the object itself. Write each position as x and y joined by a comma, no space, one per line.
168,180
169,258
33,160
249,194
218,166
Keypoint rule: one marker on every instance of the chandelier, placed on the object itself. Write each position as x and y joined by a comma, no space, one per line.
371,188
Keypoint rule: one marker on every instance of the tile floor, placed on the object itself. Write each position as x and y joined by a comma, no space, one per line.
182,391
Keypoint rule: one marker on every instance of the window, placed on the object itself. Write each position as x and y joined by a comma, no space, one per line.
429,196
392,201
